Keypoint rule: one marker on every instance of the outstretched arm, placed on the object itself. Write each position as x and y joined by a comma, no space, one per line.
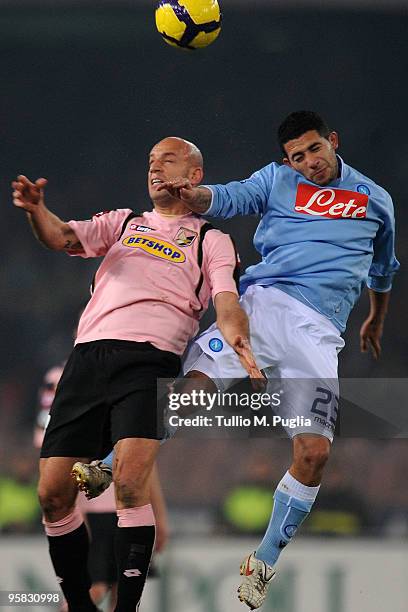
372,329
245,197
49,229
198,199
233,323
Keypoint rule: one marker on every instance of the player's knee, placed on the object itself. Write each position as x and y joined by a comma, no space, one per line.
131,485
313,453
131,477
130,492
197,374
316,459
52,500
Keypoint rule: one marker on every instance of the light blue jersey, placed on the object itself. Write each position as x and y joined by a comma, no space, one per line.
318,244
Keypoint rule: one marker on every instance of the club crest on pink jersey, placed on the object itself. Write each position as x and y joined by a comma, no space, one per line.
185,237
329,202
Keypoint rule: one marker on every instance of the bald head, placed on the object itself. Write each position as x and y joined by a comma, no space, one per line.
190,151
172,158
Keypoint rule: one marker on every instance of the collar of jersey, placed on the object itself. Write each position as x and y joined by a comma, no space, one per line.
171,217
340,178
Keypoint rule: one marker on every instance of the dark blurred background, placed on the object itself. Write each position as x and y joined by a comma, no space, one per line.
87,89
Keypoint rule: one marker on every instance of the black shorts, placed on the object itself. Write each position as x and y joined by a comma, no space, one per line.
107,392
101,560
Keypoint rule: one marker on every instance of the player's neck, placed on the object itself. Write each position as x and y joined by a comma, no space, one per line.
178,209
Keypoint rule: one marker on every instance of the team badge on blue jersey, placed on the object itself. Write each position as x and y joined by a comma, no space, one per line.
290,530
216,345
363,189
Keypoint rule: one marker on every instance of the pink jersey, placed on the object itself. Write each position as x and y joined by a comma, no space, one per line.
148,287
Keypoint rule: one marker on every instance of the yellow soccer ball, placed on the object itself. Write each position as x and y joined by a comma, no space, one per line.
188,24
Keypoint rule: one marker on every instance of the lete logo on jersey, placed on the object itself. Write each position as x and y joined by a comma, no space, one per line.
156,247
332,203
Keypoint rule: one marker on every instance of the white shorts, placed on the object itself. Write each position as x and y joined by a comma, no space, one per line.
293,344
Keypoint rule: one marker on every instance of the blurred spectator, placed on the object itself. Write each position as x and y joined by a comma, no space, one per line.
247,506
45,398
19,509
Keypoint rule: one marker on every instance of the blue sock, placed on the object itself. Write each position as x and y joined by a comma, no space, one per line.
109,459
292,503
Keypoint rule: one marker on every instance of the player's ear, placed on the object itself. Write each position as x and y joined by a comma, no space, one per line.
333,138
196,175
286,162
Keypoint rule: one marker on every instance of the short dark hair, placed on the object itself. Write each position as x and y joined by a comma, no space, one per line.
298,123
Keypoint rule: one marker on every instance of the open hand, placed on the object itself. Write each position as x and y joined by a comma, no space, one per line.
180,188
370,336
243,349
28,195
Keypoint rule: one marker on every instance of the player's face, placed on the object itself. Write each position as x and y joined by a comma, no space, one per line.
313,156
169,159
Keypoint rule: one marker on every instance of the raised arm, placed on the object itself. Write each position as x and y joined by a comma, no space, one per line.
49,229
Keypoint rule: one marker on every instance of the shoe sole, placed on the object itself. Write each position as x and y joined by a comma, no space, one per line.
240,596
81,481
245,602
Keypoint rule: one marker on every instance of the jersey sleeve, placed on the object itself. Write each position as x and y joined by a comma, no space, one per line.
98,234
247,197
384,264
220,262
